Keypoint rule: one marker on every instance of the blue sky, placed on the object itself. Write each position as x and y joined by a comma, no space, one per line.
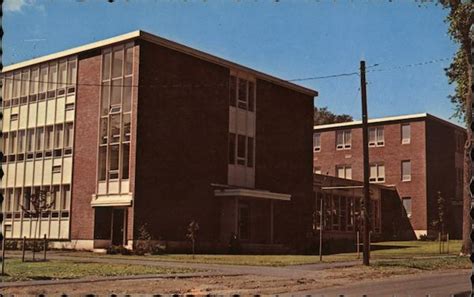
288,39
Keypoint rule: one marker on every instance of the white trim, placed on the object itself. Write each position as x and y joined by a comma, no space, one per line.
166,43
112,200
388,119
252,193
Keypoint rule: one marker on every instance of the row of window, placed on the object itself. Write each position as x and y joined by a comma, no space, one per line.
342,213
241,150
241,93
376,138
377,171
17,199
40,80
14,116
38,97
48,138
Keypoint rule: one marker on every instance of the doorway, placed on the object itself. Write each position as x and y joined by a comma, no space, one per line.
118,226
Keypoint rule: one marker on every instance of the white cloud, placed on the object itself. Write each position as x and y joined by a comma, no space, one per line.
17,5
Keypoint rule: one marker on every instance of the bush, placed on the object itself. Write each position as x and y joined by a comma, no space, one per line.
118,249
158,249
425,237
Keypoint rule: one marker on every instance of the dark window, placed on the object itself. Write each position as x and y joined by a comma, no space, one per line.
232,90
231,148
250,152
251,95
125,158
240,149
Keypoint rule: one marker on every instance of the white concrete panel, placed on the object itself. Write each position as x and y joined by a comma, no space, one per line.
250,124
16,229
241,122
41,114
60,109
15,109
57,161
20,171
47,170
64,231
11,175
232,119
38,173
6,119
33,109
69,115
125,186
50,112
71,98
4,179
54,229
57,178
250,177
113,187
102,189
67,170
29,173
44,228
23,116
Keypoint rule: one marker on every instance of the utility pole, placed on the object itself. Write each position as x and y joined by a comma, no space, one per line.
365,135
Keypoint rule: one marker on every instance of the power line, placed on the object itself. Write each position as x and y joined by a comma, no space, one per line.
323,77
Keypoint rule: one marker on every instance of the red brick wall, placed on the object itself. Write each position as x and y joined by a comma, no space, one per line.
182,142
283,156
392,153
85,147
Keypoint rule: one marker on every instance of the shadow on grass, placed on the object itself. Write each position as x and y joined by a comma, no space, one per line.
378,247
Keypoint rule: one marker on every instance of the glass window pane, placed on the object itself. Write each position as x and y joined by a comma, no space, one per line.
347,138
117,63
371,135
58,139
13,140
241,146
251,95
249,151
102,162
39,138
340,172
68,135
16,85
62,74
126,127
25,76
5,144
232,90
380,135
53,72
113,157
30,140
381,171
127,94
115,128
128,60
105,98
115,96
66,197
8,87
21,141
49,138
348,173
339,138
373,171
43,78
231,148
71,74
103,130
242,90
407,205
106,66
406,133
125,160
34,81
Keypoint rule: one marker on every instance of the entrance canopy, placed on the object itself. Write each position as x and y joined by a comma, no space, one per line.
240,192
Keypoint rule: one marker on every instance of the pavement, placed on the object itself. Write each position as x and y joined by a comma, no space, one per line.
432,284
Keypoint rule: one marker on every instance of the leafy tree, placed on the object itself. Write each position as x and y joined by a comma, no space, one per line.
323,116
460,20
39,203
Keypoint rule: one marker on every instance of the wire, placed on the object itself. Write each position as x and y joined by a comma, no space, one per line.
323,77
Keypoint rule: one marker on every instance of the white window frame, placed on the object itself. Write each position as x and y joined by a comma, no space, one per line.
345,145
345,169
316,148
378,178
377,142
405,140
405,177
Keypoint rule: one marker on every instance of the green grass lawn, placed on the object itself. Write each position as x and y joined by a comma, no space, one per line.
427,264
19,271
381,250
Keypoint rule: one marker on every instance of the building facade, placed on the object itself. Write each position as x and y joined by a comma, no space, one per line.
139,132
421,155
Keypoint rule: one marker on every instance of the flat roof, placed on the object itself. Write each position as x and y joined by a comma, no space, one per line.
388,119
139,34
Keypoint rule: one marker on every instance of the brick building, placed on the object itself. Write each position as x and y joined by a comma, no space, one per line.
419,154
137,131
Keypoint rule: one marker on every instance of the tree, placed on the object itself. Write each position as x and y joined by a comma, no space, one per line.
440,222
323,116
37,204
460,19
193,229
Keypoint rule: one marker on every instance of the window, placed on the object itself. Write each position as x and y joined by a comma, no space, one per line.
316,142
39,139
125,160
343,139
406,133
232,90
58,137
102,162
376,136
65,197
241,93
43,79
68,132
377,173
231,148
317,170
13,142
14,117
406,170
48,141
72,71
30,140
21,141
407,205
241,149
53,72
69,106
34,81
56,169
344,171
249,151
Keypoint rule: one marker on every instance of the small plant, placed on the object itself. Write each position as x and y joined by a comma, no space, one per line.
118,249
143,245
193,229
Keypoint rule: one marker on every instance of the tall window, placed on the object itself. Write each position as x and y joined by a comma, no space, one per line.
407,205
343,139
344,171
115,113
241,93
377,173
406,133
316,142
406,170
376,136
241,150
